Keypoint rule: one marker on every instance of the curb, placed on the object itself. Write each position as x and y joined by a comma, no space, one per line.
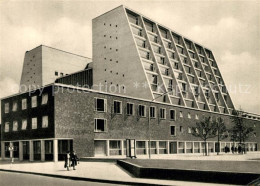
79,178
189,175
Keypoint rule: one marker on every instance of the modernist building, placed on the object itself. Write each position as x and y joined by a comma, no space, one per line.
145,82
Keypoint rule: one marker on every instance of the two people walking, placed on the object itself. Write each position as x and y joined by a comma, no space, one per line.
71,160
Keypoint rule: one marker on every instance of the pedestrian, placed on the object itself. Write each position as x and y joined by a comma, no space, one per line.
239,149
11,150
74,159
226,149
232,149
235,149
67,161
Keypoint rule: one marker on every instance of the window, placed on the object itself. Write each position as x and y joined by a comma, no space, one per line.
181,115
56,73
152,112
173,132
7,108
61,73
172,114
45,122
189,116
141,111
254,134
196,116
34,123
130,109
181,129
6,126
24,124
118,107
100,125
24,104
15,126
197,130
162,113
34,101
100,105
44,99
14,106
189,130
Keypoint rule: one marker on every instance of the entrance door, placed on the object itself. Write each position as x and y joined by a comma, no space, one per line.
100,148
173,147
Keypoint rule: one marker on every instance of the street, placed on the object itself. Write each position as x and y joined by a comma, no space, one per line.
15,179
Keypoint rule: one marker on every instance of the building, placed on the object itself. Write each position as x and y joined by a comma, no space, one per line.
93,107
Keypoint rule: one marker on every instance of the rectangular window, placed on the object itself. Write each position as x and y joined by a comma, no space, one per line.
181,129
100,105
34,101
6,126
162,113
15,125
152,112
181,115
196,116
130,109
100,125
173,131
7,108
34,123
44,99
172,114
56,73
14,106
189,130
117,107
141,110
45,122
189,116
24,124
24,104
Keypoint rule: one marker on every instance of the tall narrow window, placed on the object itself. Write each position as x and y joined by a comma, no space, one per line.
181,129
7,108
141,110
189,116
6,126
100,105
189,130
34,101
34,123
181,115
196,116
14,106
162,113
100,125
15,125
44,99
130,109
24,124
172,114
45,122
24,104
118,107
173,131
152,112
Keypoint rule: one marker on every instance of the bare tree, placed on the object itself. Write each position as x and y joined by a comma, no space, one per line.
220,130
205,130
240,132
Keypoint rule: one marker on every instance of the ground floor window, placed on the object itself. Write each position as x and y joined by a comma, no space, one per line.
181,147
140,147
37,150
196,147
189,147
114,147
153,147
162,147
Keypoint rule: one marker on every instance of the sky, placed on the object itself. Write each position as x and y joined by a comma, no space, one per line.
231,29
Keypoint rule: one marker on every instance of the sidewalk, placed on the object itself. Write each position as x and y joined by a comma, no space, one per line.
90,171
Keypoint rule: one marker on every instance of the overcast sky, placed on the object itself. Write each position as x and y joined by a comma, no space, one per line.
231,29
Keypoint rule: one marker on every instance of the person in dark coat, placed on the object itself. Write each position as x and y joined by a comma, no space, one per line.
74,159
67,161
239,149
232,149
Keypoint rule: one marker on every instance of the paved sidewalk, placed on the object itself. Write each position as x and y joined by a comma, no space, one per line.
98,171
